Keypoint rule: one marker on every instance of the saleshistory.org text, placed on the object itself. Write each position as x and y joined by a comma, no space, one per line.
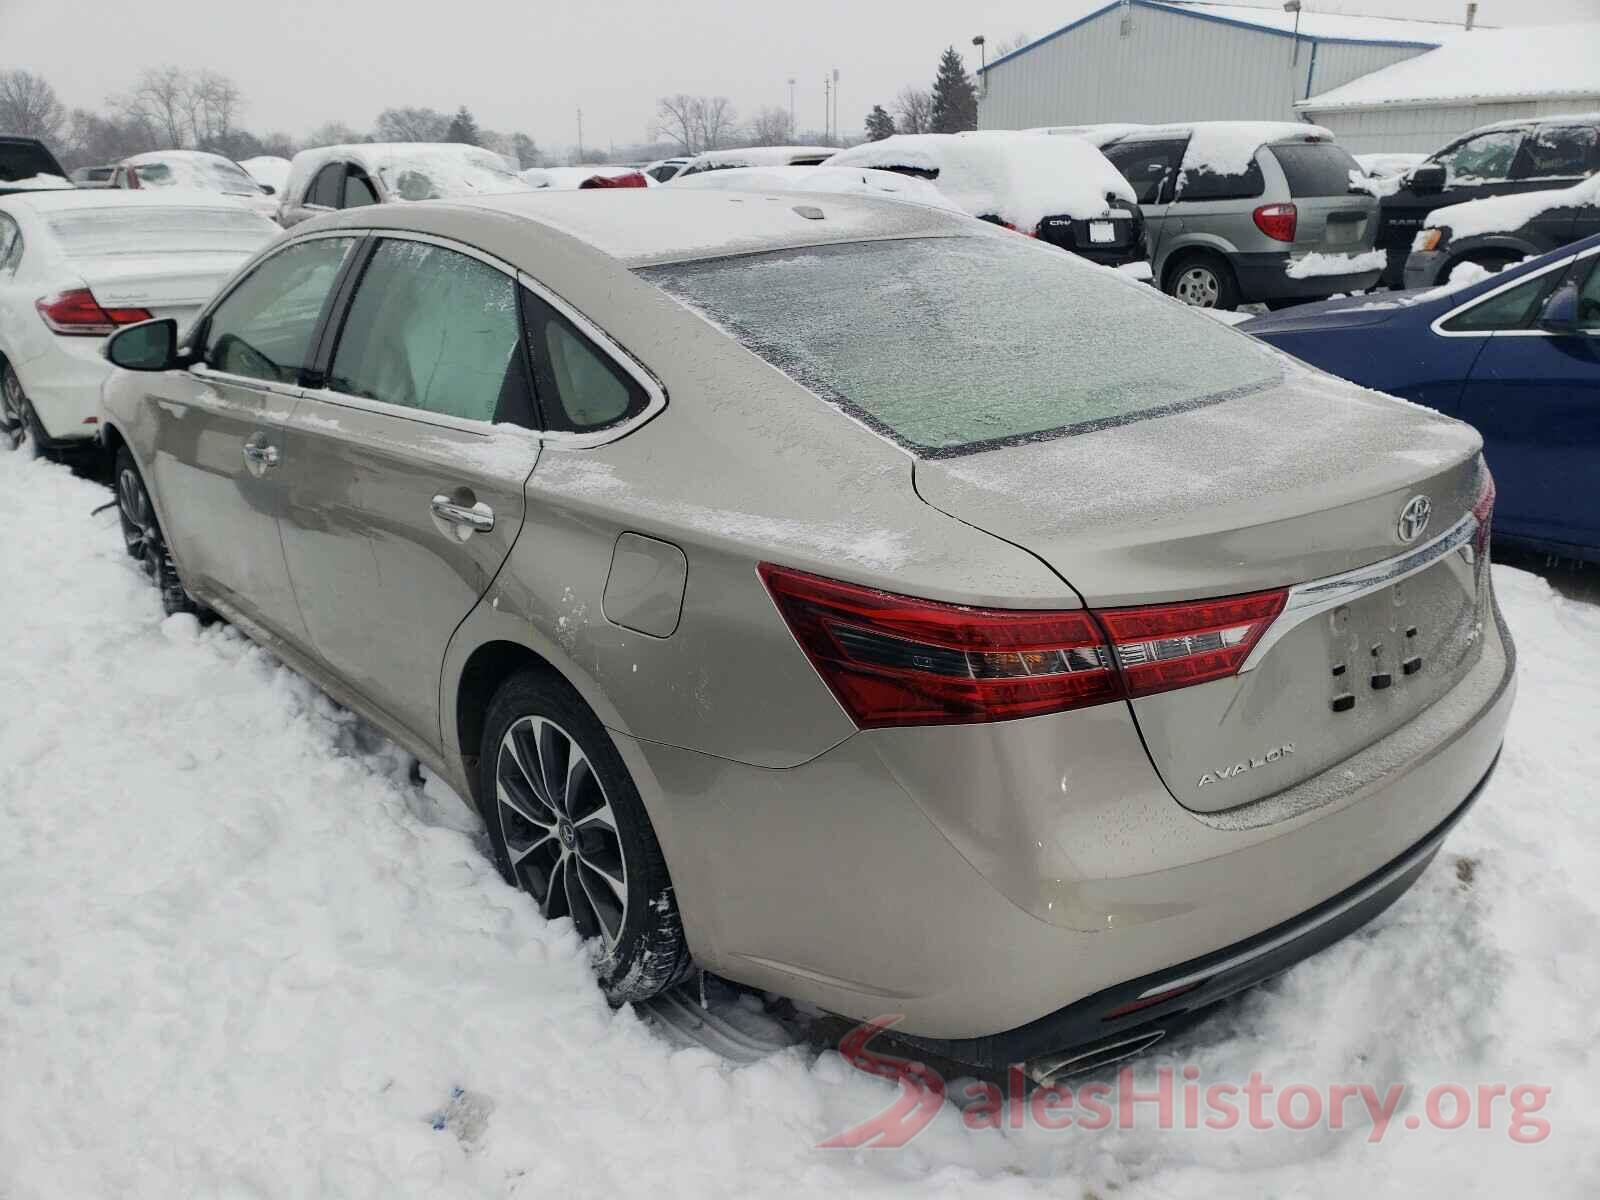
1180,1098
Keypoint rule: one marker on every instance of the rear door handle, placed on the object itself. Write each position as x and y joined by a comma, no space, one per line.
476,518
259,455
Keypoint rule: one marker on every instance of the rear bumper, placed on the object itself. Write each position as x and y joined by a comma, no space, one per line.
63,385
994,885
1263,277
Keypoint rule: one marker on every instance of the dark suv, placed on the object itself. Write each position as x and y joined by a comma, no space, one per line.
24,159
1496,160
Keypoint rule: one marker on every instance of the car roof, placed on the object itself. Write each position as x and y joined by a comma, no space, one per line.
1266,133
154,156
642,226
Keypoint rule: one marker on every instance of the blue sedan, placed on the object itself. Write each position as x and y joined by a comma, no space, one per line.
1516,354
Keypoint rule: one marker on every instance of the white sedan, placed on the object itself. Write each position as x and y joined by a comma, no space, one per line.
76,264
199,170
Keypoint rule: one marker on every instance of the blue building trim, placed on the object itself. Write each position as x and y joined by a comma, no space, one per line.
1311,71
1186,11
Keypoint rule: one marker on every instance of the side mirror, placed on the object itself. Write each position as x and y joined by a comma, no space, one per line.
1429,177
147,346
1560,312
268,190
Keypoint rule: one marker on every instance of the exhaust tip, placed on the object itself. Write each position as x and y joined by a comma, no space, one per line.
1047,1071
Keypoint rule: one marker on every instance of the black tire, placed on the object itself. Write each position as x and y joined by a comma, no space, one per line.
646,952
143,540
1177,280
19,424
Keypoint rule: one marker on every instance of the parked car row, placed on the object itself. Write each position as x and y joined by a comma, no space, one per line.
604,512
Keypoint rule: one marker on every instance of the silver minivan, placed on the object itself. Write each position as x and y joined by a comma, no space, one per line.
1241,212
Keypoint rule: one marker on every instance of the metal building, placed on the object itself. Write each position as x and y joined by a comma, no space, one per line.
1173,60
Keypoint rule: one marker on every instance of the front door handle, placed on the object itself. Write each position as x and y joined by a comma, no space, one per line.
259,455
470,518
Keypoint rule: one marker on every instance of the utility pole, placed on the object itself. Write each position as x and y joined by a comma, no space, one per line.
791,108
836,136
827,111
580,135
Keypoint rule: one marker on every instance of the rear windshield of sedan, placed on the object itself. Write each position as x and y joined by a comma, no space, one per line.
143,229
951,345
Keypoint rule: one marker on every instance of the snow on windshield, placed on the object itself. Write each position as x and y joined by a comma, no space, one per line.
208,174
923,339
1019,178
143,229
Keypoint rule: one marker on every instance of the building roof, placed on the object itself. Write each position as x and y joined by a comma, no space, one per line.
1313,27
1544,62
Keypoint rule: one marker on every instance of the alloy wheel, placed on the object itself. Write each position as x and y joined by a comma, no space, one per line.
559,829
139,534
1198,286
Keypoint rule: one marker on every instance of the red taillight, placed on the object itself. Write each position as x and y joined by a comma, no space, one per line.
78,314
898,660
1483,511
1277,221
1167,646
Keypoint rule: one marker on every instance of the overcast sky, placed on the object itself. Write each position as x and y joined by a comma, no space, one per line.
530,64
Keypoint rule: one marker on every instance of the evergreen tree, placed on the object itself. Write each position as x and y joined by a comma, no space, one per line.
955,99
879,124
462,128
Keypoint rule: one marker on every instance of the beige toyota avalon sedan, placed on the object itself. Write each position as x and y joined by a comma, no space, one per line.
851,598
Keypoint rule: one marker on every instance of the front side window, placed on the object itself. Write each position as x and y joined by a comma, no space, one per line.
433,329
923,338
1145,165
580,386
155,175
1558,151
1589,299
1486,158
1515,308
326,189
263,329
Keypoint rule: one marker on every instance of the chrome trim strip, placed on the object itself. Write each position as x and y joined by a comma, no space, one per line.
1307,600
1437,324
1366,893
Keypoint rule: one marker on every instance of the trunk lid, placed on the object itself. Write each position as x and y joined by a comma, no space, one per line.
158,281
1296,483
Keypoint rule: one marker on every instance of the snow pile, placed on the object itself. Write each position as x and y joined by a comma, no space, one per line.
38,183
268,169
1020,178
1315,264
828,180
758,156
1502,214
1480,67
242,954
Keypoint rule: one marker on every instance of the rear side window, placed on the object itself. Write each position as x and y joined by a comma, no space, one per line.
924,338
263,328
581,387
432,329
1198,183
20,160
1512,309
357,191
1557,150
1146,165
1316,168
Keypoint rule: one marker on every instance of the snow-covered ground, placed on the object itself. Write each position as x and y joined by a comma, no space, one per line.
243,955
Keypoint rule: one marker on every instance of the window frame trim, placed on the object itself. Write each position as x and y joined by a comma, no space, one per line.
1436,326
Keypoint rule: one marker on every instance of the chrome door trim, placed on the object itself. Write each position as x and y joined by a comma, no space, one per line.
1437,325
1308,600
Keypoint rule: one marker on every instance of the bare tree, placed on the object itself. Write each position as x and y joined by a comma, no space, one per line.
29,107
214,106
161,101
333,133
412,125
1006,45
719,122
914,109
678,119
770,127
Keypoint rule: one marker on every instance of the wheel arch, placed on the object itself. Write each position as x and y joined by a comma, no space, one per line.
484,672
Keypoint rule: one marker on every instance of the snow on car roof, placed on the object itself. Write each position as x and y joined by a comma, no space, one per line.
80,198
1020,177
1500,214
1095,135
760,156
378,157
828,180
1227,147
150,156
675,224
1529,62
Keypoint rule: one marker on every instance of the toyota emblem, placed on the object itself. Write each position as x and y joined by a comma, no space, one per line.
1414,518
